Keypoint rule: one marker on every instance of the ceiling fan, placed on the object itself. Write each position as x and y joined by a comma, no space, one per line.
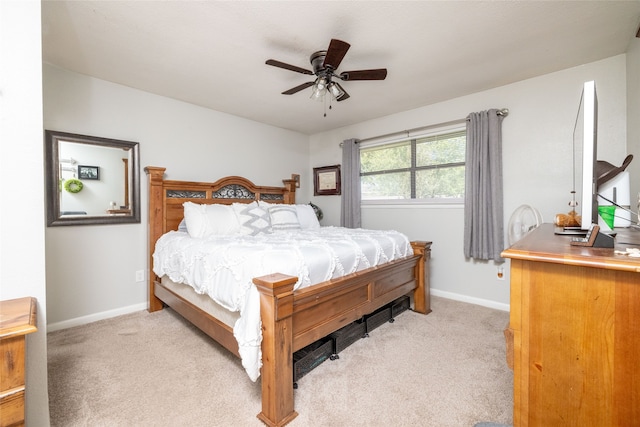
325,64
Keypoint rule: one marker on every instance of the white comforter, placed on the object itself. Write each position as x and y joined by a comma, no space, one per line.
223,267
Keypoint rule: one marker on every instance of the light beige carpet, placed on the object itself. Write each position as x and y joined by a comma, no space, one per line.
154,369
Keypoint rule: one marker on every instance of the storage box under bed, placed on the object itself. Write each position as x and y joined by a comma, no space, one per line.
307,358
347,335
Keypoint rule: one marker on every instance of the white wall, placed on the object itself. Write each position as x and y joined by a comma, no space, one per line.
22,265
91,269
537,156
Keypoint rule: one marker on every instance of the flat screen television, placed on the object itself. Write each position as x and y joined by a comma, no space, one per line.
585,141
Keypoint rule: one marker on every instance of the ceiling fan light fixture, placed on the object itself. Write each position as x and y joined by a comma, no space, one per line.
335,90
325,64
317,95
319,89
321,84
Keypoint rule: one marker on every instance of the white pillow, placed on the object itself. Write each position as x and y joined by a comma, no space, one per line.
252,218
307,217
265,205
206,220
284,217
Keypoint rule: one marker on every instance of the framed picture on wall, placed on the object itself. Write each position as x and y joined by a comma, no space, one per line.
88,172
326,181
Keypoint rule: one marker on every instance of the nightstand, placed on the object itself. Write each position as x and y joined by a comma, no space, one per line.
17,319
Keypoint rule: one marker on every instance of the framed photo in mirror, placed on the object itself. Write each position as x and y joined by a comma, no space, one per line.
88,172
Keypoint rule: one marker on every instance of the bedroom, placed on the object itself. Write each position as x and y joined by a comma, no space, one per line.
88,105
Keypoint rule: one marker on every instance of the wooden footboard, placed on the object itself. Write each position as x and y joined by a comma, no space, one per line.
290,319
293,319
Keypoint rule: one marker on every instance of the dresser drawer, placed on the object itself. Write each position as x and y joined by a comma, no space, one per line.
12,408
12,365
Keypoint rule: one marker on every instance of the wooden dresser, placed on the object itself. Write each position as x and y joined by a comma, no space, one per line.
17,319
575,319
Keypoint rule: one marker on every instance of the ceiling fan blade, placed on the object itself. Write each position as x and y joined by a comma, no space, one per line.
345,94
377,74
336,52
288,67
298,88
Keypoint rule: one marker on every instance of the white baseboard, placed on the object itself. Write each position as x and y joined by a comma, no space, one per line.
471,300
51,327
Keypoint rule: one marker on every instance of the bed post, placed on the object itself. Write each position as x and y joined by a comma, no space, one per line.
422,295
276,308
290,191
156,222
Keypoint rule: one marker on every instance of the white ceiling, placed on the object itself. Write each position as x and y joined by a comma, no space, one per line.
213,53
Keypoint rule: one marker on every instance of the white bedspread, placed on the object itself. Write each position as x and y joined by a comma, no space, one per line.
223,267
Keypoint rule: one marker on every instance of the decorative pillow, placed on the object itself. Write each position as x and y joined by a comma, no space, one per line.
205,220
182,226
284,217
253,219
307,217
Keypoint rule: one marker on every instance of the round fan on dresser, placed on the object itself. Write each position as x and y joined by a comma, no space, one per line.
523,220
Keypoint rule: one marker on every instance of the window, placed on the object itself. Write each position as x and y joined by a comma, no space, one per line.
427,168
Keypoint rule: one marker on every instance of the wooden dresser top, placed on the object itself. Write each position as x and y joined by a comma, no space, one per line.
17,317
545,246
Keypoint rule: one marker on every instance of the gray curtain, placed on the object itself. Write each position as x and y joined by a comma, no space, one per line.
350,207
483,205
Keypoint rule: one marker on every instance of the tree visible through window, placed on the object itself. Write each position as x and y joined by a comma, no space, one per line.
429,168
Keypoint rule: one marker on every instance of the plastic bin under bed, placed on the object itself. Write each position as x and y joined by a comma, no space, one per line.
347,335
307,358
311,356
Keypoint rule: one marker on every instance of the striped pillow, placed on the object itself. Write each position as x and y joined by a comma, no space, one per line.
284,217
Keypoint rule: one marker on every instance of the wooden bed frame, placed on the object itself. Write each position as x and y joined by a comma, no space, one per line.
290,319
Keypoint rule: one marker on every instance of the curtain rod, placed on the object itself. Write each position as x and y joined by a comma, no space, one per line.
502,112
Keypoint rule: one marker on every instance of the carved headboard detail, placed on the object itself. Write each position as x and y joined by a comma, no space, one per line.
166,197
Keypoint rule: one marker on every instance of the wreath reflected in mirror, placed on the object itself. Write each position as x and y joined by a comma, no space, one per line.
73,185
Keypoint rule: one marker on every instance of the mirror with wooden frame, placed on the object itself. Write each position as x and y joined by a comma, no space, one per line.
91,180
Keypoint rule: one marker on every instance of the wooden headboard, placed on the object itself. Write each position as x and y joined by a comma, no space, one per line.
166,199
